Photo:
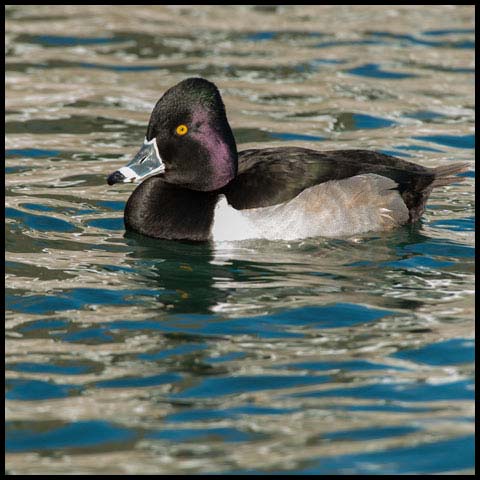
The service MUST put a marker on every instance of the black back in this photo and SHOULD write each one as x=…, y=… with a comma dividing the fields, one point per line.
x=274, y=175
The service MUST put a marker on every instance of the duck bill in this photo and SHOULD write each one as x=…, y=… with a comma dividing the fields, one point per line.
x=146, y=163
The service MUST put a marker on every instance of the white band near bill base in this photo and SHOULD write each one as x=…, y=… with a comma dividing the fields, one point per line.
x=128, y=173
x=153, y=140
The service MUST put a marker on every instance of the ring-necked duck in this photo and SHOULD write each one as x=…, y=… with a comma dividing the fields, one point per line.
x=195, y=186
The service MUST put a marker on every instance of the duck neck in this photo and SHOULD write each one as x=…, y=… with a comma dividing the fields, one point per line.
x=162, y=210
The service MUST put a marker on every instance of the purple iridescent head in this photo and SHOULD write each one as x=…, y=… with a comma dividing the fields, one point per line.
x=193, y=137
x=189, y=141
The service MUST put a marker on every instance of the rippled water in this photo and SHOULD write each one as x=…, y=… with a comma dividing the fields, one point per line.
x=130, y=355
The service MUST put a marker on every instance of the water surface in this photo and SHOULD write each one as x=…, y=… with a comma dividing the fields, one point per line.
x=130, y=355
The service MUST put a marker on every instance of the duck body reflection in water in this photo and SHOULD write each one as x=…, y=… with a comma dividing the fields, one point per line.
x=228, y=277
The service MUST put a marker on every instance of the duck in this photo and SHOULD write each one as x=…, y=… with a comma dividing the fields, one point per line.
x=193, y=184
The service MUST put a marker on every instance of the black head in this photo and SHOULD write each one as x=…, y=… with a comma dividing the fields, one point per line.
x=193, y=136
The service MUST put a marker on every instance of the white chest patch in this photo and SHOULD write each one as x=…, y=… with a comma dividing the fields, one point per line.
x=231, y=224
x=332, y=209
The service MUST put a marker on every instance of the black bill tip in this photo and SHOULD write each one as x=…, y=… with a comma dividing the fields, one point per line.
x=115, y=177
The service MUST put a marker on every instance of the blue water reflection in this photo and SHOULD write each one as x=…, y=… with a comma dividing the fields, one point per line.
x=128, y=355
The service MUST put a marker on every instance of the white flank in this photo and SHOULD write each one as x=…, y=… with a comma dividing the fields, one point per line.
x=332, y=209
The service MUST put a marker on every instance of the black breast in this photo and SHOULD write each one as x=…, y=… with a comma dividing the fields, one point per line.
x=161, y=210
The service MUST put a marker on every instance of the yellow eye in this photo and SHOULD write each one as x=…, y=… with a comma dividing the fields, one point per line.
x=182, y=129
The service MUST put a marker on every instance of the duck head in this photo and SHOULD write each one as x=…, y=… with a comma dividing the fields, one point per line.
x=188, y=142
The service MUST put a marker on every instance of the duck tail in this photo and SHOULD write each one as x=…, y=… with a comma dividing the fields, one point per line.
x=446, y=174
x=417, y=198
